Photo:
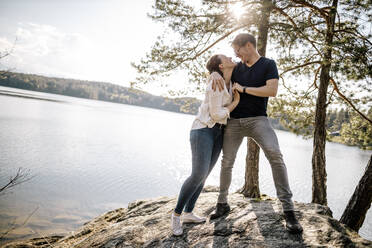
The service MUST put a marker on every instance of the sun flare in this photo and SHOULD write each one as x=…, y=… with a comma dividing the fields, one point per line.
x=237, y=9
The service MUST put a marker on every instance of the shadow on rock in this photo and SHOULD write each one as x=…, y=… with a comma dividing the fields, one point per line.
x=271, y=226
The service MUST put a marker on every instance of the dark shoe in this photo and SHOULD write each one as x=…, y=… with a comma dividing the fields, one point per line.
x=221, y=209
x=292, y=224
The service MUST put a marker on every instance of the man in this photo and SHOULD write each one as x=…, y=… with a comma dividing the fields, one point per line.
x=256, y=78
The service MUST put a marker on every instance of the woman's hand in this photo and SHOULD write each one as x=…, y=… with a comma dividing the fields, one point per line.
x=235, y=102
x=217, y=81
x=238, y=87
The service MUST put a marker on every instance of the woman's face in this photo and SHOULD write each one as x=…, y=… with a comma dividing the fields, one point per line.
x=226, y=62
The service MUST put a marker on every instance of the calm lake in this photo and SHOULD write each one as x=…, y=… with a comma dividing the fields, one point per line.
x=88, y=157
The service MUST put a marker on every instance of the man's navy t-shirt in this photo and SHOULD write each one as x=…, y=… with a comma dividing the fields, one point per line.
x=254, y=76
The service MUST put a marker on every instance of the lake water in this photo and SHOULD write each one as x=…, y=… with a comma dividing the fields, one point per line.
x=88, y=157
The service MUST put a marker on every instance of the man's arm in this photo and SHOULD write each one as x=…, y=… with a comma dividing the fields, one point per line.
x=270, y=89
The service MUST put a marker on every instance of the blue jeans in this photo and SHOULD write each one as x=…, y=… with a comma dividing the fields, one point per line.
x=206, y=145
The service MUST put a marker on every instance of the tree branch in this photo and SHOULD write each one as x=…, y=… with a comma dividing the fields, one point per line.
x=348, y=101
x=330, y=97
x=285, y=86
x=357, y=34
x=300, y=66
x=20, y=177
x=215, y=42
x=297, y=29
x=7, y=53
x=323, y=13
x=311, y=23
x=316, y=76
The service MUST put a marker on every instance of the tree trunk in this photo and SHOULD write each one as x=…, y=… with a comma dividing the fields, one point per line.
x=360, y=202
x=319, y=189
x=251, y=184
x=263, y=28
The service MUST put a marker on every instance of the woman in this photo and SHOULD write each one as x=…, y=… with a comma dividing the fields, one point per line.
x=206, y=138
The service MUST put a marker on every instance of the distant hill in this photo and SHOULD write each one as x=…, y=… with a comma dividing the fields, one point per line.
x=98, y=91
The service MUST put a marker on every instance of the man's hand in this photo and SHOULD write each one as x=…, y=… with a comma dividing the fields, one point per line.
x=217, y=81
x=238, y=87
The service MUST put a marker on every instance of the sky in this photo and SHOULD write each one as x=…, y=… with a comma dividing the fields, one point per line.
x=81, y=39
x=85, y=39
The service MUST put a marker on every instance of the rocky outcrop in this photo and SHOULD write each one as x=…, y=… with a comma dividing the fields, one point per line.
x=251, y=223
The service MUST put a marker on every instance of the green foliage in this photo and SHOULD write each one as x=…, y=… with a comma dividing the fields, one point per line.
x=296, y=115
x=357, y=131
x=343, y=125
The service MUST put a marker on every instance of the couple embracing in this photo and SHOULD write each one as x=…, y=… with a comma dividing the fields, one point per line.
x=229, y=113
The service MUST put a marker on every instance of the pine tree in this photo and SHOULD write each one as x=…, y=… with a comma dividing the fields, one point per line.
x=319, y=39
x=334, y=51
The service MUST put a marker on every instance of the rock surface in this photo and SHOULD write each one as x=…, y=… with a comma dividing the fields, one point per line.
x=251, y=223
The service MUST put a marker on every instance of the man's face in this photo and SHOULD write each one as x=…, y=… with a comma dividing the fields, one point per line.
x=243, y=52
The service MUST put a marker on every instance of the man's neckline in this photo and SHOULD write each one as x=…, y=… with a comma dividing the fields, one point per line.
x=253, y=63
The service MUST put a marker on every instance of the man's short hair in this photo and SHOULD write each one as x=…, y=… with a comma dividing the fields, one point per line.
x=242, y=39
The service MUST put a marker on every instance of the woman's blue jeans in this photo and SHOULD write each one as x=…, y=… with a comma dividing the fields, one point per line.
x=206, y=145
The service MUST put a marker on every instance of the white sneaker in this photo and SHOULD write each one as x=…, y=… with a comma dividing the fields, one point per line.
x=176, y=225
x=192, y=218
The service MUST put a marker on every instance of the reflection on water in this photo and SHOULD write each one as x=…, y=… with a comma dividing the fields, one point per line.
x=89, y=157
